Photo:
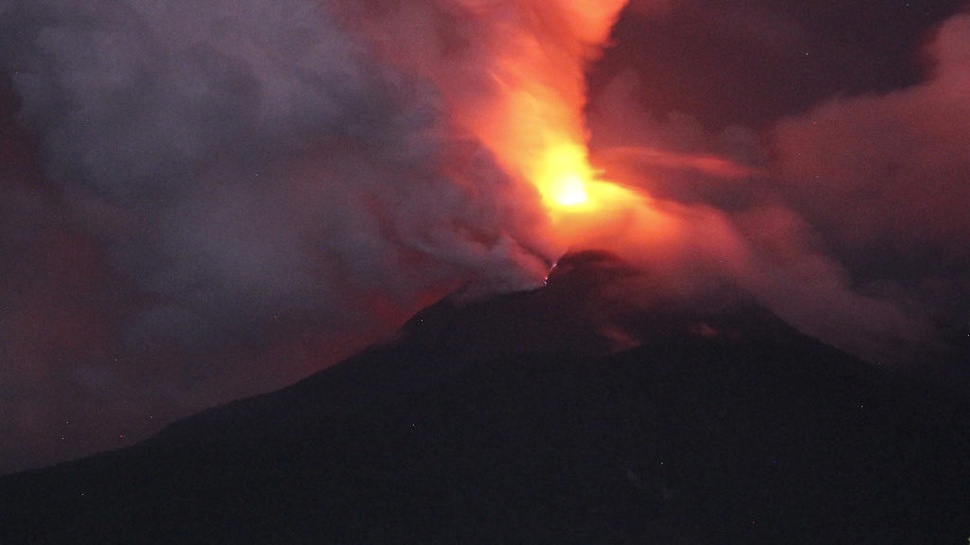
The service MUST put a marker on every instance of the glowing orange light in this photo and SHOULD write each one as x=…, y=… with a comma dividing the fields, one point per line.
x=571, y=191
x=562, y=176
x=522, y=95
x=570, y=186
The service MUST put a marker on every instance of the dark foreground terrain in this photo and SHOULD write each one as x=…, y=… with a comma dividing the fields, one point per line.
x=541, y=418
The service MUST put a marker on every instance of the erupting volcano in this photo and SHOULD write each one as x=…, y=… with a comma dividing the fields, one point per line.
x=513, y=75
x=459, y=271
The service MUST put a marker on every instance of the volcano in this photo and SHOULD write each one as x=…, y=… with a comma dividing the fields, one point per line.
x=566, y=414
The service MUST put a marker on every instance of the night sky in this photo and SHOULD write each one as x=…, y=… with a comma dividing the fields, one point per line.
x=205, y=202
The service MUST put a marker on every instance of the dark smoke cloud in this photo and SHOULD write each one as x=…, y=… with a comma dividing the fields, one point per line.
x=886, y=178
x=851, y=223
x=229, y=186
x=751, y=61
x=204, y=201
x=235, y=153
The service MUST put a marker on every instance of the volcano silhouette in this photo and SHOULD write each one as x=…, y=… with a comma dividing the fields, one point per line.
x=566, y=414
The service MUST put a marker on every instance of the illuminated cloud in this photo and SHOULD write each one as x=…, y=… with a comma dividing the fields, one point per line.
x=254, y=188
x=850, y=223
x=203, y=201
x=885, y=180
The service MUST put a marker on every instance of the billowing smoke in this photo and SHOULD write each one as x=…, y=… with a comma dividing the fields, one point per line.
x=848, y=221
x=253, y=160
x=886, y=180
x=226, y=174
x=205, y=200
x=511, y=73
x=716, y=222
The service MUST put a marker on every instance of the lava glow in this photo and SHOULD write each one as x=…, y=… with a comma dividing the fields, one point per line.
x=520, y=91
x=575, y=196
x=533, y=122
x=562, y=177
x=569, y=184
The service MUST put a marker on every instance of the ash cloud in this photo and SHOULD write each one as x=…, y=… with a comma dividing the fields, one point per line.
x=885, y=179
x=230, y=188
x=213, y=196
x=851, y=224
x=232, y=154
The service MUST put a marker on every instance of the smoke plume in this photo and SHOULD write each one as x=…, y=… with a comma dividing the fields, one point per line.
x=846, y=220
x=227, y=174
x=206, y=200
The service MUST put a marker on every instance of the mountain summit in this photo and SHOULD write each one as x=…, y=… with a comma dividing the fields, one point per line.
x=568, y=414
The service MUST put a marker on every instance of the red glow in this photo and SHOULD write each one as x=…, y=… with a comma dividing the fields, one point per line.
x=534, y=123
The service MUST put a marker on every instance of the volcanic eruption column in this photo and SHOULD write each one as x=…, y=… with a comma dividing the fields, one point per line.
x=248, y=164
x=512, y=74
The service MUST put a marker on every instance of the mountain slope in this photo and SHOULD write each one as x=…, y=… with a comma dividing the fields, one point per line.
x=554, y=416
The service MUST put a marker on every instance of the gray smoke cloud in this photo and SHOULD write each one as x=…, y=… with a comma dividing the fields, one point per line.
x=222, y=198
x=848, y=220
x=885, y=179
x=199, y=200
x=247, y=160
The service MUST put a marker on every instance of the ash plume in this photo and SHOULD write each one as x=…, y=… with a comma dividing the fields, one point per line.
x=849, y=224
x=201, y=201
x=242, y=173
x=247, y=160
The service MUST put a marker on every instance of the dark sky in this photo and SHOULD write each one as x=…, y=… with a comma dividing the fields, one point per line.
x=203, y=203
x=749, y=63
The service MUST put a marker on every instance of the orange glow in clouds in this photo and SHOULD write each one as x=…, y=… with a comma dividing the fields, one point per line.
x=569, y=184
x=512, y=74
x=533, y=121
x=562, y=177
x=582, y=207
